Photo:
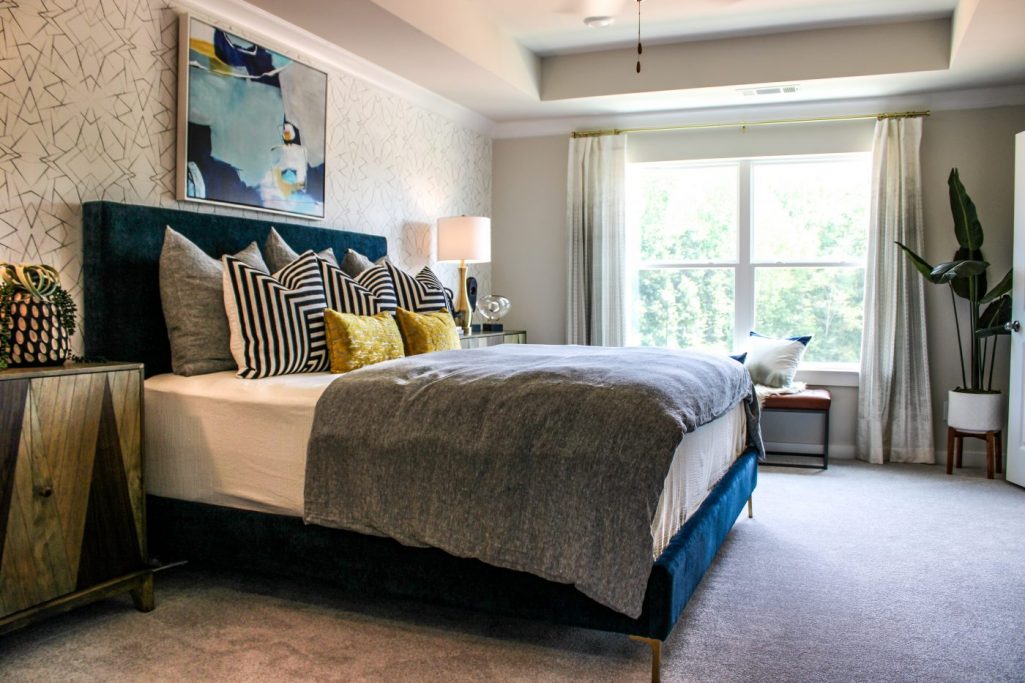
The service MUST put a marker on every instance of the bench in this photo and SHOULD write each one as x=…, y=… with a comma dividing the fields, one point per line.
x=807, y=401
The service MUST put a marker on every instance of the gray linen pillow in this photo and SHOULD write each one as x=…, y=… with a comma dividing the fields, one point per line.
x=192, y=296
x=279, y=254
x=355, y=263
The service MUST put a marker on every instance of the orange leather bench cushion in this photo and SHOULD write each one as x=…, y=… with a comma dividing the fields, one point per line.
x=809, y=399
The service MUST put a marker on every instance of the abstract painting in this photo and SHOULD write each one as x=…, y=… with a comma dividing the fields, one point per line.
x=251, y=122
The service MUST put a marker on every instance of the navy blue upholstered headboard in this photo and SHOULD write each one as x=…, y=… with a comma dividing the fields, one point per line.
x=123, y=317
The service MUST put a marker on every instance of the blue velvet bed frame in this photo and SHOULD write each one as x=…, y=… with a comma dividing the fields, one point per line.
x=123, y=321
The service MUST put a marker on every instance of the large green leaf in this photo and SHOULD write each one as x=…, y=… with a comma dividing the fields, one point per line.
x=1003, y=287
x=991, y=331
x=967, y=228
x=996, y=314
x=963, y=286
x=920, y=264
x=955, y=270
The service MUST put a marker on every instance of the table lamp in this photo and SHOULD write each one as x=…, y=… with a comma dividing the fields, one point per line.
x=466, y=239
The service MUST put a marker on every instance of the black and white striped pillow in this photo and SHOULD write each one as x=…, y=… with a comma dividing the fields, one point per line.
x=429, y=278
x=420, y=294
x=380, y=284
x=276, y=321
x=344, y=294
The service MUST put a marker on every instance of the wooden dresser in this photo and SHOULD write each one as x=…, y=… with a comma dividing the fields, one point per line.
x=479, y=339
x=72, y=503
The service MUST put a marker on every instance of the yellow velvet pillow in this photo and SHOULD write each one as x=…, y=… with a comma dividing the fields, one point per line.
x=354, y=341
x=426, y=332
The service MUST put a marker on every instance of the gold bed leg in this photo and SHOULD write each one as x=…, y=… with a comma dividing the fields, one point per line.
x=750, y=506
x=656, y=656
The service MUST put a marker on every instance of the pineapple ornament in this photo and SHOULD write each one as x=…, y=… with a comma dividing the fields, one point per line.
x=37, y=316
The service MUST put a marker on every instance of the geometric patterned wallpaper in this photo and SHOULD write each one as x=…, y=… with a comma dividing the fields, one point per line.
x=88, y=92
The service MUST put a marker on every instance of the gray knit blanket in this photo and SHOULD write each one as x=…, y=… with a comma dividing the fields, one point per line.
x=544, y=459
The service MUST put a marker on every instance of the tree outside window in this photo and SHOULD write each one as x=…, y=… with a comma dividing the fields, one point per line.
x=774, y=244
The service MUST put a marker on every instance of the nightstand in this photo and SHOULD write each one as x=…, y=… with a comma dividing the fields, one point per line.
x=482, y=339
x=72, y=503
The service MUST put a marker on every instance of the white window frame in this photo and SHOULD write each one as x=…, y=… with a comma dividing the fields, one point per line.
x=836, y=374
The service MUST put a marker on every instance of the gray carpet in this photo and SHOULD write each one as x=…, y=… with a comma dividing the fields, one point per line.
x=861, y=573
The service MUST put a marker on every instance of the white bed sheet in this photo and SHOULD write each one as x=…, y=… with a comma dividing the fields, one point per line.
x=222, y=440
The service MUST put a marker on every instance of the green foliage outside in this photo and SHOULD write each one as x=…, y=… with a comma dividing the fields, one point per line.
x=807, y=212
x=810, y=211
x=689, y=214
x=824, y=302
x=684, y=308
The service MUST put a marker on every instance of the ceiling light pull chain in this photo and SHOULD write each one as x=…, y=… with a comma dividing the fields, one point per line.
x=640, y=48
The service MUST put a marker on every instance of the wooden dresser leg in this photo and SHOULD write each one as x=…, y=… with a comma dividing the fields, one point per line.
x=143, y=595
x=950, y=450
x=656, y=656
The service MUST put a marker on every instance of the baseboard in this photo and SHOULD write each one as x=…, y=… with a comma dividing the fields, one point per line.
x=972, y=458
x=843, y=451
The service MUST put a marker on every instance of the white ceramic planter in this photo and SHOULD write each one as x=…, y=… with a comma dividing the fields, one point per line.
x=975, y=412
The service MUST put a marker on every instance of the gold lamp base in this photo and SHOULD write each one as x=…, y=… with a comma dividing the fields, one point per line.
x=463, y=302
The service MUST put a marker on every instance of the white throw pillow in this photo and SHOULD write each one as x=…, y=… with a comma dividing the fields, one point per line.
x=773, y=362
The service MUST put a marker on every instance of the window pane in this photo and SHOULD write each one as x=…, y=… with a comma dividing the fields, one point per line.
x=686, y=214
x=823, y=302
x=683, y=308
x=810, y=211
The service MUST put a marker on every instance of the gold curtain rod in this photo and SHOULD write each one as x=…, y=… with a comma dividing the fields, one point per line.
x=776, y=122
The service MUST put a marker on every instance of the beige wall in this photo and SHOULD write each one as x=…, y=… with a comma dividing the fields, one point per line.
x=528, y=204
x=980, y=143
x=759, y=141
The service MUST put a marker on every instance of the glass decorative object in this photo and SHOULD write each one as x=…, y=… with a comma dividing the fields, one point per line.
x=493, y=308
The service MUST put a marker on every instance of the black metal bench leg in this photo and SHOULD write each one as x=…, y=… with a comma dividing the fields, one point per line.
x=825, y=444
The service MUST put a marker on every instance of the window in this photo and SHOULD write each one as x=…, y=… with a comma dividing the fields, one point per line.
x=718, y=248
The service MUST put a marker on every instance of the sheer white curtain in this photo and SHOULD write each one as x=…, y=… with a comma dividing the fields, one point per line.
x=596, y=223
x=894, y=403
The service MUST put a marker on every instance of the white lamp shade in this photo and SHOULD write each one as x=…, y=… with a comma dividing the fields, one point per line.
x=464, y=238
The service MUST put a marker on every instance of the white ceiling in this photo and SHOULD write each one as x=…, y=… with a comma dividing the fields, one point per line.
x=513, y=61
x=550, y=27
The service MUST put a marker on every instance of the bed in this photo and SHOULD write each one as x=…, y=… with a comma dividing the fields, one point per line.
x=207, y=503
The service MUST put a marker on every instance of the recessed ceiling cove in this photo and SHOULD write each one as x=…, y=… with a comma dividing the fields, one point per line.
x=536, y=59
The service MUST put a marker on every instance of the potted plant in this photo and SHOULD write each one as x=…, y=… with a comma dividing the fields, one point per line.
x=974, y=406
x=37, y=316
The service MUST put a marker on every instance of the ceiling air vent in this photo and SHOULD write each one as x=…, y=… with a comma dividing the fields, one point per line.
x=774, y=90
